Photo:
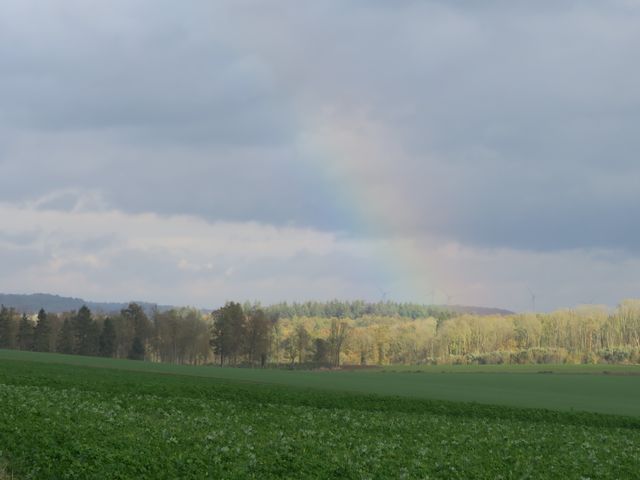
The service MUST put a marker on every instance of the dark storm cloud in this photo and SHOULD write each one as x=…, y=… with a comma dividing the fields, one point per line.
x=518, y=120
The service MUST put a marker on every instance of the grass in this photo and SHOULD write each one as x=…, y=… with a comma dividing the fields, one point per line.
x=570, y=387
x=579, y=369
x=85, y=418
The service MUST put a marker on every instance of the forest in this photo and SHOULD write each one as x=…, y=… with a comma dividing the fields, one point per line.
x=332, y=334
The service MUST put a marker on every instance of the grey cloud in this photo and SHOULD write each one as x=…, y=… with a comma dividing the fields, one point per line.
x=19, y=239
x=15, y=259
x=351, y=269
x=518, y=120
x=154, y=79
x=269, y=185
x=90, y=244
x=157, y=276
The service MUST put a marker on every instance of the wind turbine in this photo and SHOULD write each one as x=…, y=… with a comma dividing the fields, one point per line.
x=383, y=295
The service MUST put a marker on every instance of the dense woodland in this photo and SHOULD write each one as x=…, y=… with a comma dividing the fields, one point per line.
x=332, y=334
x=353, y=309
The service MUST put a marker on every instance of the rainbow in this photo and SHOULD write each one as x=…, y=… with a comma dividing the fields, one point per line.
x=342, y=153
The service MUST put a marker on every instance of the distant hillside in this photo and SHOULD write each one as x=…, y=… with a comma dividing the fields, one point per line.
x=56, y=304
x=32, y=303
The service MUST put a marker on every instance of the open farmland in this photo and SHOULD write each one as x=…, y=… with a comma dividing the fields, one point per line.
x=75, y=417
x=597, y=388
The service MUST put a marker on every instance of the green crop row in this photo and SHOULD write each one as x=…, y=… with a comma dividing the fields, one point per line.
x=69, y=422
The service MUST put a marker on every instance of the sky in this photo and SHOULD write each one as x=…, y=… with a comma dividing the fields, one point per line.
x=190, y=153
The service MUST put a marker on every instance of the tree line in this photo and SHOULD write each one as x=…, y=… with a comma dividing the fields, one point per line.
x=352, y=309
x=249, y=335
x=178, y=336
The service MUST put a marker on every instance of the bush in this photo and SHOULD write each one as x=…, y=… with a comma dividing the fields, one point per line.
x=548, y=355
x=489, y=358
x=619, y=355
x=589, y=357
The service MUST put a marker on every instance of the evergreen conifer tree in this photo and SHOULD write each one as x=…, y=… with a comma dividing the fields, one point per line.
x=25, y=333
x=108, y=338
x=86, y=332
x=137, y=349
x=42, y=334
x=7, y=334
x=66, y=338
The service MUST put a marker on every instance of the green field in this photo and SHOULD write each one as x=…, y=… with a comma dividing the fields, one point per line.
x=78, y=417
x=569, y=387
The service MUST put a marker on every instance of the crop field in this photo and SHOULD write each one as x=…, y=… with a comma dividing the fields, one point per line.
x=83, y=418
x=597, y=388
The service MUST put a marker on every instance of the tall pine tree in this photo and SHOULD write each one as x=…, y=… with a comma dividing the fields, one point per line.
x=108, y=338
x=7, y=328
x=25, y=333
x=42, y=334
x=66, y=338
x=86, y=332
x=137, y=349
x=142, y=328
x=4, y=326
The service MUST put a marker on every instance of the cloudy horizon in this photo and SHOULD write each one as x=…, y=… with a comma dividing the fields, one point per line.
x=188, y=154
